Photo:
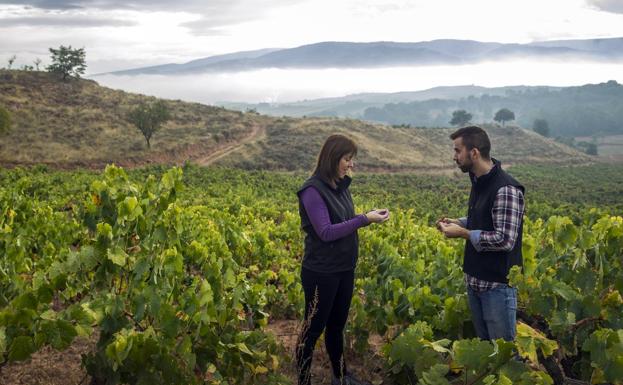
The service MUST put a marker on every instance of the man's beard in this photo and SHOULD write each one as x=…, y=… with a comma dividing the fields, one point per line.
x=467, y=166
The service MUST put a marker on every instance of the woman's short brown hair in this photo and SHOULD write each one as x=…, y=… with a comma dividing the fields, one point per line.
x=333, y=149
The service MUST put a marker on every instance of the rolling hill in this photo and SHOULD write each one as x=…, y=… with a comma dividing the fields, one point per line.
x=81, y=124
x=292, y=144
x=587, y=110
x=355, y=105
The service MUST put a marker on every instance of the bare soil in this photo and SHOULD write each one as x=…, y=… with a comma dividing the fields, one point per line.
x=52, y=367
x=368, y=366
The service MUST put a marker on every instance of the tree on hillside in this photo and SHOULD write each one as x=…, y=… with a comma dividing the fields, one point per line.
x=148, y=118
x=591, y=149
x=569, y=141
x=541, y=127
x=11, y=61
x=460, y=118
x=68, y=62
x=5, y=120
x=37, y=63
x=504, y=115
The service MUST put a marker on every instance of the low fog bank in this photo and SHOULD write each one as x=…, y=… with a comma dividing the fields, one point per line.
x=289, y=85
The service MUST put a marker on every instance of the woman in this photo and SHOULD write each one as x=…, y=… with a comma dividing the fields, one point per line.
x=331, y=250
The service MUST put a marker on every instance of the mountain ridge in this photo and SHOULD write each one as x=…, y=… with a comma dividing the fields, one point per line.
x=339, y=54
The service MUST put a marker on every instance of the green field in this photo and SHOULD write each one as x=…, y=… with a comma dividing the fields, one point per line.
x=179, y=276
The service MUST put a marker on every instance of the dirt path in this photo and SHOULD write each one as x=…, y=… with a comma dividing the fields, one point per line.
x=199, y=153
x=257, y=132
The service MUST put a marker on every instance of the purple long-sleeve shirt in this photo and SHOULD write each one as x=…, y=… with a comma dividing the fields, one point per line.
x=318, y=214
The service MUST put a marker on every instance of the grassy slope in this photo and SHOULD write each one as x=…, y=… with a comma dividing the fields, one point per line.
x=80, y=123
x=292, y=143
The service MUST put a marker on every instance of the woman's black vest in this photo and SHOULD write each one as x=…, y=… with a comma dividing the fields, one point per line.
x=490, y=266
x=341, y=254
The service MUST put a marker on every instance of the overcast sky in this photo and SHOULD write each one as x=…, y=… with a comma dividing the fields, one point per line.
x=125, y=34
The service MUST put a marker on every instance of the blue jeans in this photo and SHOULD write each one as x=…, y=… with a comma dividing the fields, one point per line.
x=494, y=312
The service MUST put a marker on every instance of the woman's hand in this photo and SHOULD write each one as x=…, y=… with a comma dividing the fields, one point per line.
x=377, y=215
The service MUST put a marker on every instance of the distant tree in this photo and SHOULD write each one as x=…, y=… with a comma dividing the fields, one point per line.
x=68, y=62
x=37, y=63
x=591, y=149
x=504, y=115
x=569, y=141
x=403, y=125
x=5, y=120
x=541, y=127
x=148, y=118
x=460, y=118
x=11, y=61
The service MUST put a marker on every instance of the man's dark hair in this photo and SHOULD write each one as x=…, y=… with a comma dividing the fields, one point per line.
x=334, y=148
x=474, y=137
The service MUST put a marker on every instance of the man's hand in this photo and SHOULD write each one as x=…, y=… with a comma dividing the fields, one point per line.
x=447, y=221
x=453, y=230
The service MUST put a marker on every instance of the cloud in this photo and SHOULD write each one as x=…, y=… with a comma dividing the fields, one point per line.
x=202, y=27
x=51, y=5
x=614, y=6
x=226, y=9
x=26, y=16
x=212, y=17
x=64, y=21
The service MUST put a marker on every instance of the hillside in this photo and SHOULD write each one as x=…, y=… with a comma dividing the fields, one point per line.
x=292, y=143
x=81, y=124
x=355, y=105
x=588, y=110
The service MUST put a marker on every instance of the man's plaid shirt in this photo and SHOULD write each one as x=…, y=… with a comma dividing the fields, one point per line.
x=507, y=213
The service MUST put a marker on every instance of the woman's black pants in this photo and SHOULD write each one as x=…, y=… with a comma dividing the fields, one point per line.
x=327, y=302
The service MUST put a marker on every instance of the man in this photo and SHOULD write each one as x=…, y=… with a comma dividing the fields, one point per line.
x=493, y=232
